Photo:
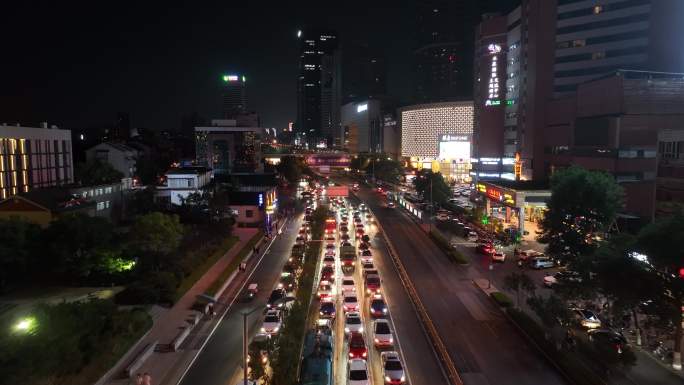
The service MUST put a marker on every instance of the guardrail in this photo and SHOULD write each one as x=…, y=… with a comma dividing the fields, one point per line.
x=445, y=361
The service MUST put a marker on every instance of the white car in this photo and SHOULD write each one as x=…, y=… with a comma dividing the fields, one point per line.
x=272, y=322
x=353, y=323
x=392, y=368
x=348, y=285
x=357, y=372
x=366, y=256
x=442, y=216
x=382, y=333
x=350, y=302
x=587, y=318
x=499, y=256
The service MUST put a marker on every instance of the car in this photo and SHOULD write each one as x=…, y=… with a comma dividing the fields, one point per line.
x=390, y=205
x=359, y=233
x=272, y=322
x=485, y=248
x=365, y=238
x=499, y=256
x=369, y=216
x=357, y=346
x=330, y=239
x=348, y=284
x=328, y=274
x=300, y=240
x=350, y=301
x=372, y=283
x=442, y=216
x=344, y=229
x=364, y=246
x=366, y=255
x=363, y=207
x=471, y=236
x=327, y=309
x=329, y=260
x=357, y=372
x=542, y=263
x=562, y=277
x=330, y=247
x=392, y=368
x=586, y=318
x=346, y=243
x=353, y=323
x=367, y=265
x=528, y=254
x=608, y=337
x=370, y=271
x=344, y=237
x=377, y=307
x=325, y=290
x=382, y=334
x=275, y=300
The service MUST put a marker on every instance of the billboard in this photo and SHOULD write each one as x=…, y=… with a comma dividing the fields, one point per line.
x=454, y=147
x=337, y=191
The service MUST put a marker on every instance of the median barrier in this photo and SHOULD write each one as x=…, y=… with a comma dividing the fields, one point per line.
x=140, y=359
x=180, y=337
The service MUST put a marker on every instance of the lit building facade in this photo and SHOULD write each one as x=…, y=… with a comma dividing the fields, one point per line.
x=319, y=87
x=226, y=148
x=362, y=126
x=234, y=92
x=438, y=136
x=34, y=158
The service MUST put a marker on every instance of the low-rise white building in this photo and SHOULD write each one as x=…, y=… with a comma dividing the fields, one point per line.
x=181, y=182
x=120, y=156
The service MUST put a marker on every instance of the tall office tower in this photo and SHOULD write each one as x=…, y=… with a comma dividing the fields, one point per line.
x=234, y=93
x=364, y=73
x=597, y=38
x=319, y=87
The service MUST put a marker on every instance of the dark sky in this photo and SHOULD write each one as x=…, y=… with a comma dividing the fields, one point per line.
x=75, y=64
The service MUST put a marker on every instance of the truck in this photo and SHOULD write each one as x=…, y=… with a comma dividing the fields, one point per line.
x=317, y=360
x=348, y=257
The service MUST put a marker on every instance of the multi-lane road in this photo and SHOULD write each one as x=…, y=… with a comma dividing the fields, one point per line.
x=484, y=347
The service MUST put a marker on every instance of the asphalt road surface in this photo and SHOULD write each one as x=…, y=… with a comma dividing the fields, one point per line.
x=221, y=357
x=485, y=348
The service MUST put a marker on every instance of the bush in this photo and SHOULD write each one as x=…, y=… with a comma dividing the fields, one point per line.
x=452, y=253
x=138, y=293
x=501, y=299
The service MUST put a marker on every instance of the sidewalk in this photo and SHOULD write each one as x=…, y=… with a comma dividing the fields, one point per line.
x=169, y=322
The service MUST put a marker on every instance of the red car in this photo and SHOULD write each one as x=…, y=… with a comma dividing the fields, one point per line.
x=485, y=248
x=328, y=274
x=372, y=284
x=357, y=346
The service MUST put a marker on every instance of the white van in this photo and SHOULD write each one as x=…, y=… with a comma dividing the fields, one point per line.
x=541, y=263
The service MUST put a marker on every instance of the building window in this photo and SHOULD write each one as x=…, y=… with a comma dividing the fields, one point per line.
x=579, y=43
x=598, y=55
x=100, y=206
x=598, y=9
x=249, y=213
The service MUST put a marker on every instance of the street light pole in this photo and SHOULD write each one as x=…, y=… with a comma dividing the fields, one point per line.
x=431, y=207
x=244, y=343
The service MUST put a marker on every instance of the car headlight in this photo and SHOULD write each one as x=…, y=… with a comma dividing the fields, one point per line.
x=364, y=354
x=388, y=379
x=346, y=330
x=351, y=355
x=376, y=340
x=391, y=340
x=263, y=330
x=361, y=329
x=321, y=313
x=403, y=378
x=276, y=329
x=384, y=310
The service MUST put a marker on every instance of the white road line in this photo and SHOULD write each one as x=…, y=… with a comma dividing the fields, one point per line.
x=192, y=362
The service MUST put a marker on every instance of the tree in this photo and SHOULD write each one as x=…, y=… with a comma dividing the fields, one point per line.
x=388, y=170
x=77, y=245
x=615, y=265
x=661, y=243
x=439, y=190
x=552, y=310
x=154, y=237
x=582, y=205
x=142, y=201
x=96, y=172
x=519, y=283
x=290, y=168
x=18, y=239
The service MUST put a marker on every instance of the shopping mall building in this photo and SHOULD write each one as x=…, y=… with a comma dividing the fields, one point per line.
x=438, y=136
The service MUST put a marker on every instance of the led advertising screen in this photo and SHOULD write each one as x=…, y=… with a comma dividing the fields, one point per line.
x=454, y=147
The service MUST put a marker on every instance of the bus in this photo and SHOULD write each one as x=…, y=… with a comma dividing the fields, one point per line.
x=317, y=361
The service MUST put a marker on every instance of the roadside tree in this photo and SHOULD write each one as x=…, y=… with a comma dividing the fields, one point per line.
x=520, y=283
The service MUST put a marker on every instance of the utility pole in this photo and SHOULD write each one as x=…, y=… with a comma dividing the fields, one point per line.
x=244, y=343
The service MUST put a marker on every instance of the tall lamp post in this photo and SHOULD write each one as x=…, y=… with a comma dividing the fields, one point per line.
x=245, y=342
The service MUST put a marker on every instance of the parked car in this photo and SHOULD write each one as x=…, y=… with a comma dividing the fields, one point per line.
x=542, y=263
x=562, y=277
x=485, y=248
x=587, y=318
x=608, y=337
x=499, y=256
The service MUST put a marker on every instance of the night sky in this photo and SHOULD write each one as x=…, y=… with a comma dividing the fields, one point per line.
x=76, y=64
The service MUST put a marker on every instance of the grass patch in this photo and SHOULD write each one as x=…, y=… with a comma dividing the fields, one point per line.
x=71, y=343
x=232, y=266
x=198, y=272
x=453, y=254
x=501, y=299
x=572, y=366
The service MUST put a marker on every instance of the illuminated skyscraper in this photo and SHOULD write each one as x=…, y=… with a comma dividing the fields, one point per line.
x=319, y=89
x=234, y=94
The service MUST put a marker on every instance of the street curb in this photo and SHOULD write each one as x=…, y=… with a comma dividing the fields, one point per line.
x=130, y=353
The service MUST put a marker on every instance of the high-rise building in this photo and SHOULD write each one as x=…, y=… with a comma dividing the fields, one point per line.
x=225, y=147
x=596, y=38
x=33, y=158
x=319, y=87
x=234, y=93
x=364, y=73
